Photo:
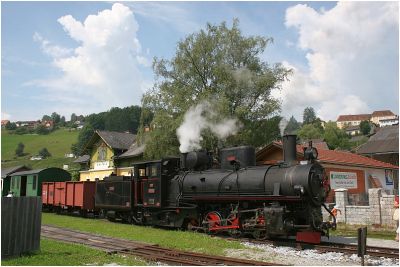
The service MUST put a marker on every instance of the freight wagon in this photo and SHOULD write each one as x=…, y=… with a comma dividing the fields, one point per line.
x=28, y=183
x=70, y=196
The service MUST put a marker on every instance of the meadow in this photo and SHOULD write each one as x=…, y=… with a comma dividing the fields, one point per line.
x=58, y=143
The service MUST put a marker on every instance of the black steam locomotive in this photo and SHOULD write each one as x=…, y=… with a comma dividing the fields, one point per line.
x=237, y=196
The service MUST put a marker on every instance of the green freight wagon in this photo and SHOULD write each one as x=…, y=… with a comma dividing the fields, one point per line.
x=29, y=183
x=6, y=177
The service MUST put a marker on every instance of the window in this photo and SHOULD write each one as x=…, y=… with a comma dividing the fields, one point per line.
x=102, y=153
x=154, y=170
x=34, y=182
x=142, y=172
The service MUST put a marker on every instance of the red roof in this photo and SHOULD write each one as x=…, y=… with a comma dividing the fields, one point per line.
x=382, y=113
x=348, y=158
x=358, y=117
x=339, y=157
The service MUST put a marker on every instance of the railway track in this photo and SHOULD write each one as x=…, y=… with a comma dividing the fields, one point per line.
x=328, y=247
x=149, y=252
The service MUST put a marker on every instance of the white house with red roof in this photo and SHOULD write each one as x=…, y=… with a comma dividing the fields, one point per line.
x=344, y=169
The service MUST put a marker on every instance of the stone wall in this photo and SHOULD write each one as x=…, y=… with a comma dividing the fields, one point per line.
x=378, y=213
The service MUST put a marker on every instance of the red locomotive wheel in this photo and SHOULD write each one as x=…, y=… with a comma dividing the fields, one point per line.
x=212, y=221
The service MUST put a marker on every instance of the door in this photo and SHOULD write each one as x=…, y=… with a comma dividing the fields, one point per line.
x=23, y=186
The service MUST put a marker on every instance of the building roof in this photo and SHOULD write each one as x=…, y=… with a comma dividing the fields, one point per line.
x=358, y=117
x=385, y=141
x=335, y=157
x=7, y=171
x=27, y=172
x=115, y=140
x=133, y=151
x=382, y=113
x=82, y=159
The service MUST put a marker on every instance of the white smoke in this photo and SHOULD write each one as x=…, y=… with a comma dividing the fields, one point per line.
x=282, y=126
x=199, y=118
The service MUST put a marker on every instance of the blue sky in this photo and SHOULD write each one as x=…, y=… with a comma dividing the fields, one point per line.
x=86, y=57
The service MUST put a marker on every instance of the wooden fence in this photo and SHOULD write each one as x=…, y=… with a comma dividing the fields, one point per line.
x=21, y=219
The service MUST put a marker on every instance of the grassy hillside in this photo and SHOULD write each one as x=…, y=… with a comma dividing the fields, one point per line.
x=58, y=143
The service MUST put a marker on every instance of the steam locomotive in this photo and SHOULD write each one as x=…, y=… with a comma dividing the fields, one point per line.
x=236, y=196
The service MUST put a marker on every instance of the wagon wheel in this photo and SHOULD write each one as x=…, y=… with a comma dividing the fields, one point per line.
x=233, y=220
x=260, y=234
x=212, y=220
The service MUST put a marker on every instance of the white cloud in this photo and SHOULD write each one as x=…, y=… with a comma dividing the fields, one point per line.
x=50, y=49
x=103, y=71
x=167, y=13
x=352, y=55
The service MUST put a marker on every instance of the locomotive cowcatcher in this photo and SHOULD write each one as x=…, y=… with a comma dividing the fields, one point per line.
x=236, y=196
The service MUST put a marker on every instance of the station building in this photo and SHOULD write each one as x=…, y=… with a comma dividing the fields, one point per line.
x=109, y=152
x=356, y=173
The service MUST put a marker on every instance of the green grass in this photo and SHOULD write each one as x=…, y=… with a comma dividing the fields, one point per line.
x=58, y=143
x=62, y=254
x=174, y=239
x=372, y=232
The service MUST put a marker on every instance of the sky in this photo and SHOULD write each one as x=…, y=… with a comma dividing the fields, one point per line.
x=86, y=57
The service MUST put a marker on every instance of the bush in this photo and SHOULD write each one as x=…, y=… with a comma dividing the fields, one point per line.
x=19, y=151
x=44, y=153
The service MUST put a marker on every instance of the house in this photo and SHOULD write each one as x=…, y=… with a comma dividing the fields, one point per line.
x=48, y=124
x=109, y=152
x=353, y=130
x=344, y=121
x=4, y=122
x=6, y=177
x=344, y=170
x=379, y=115
x=389, y=122
x=28, y=124
x=383, y=146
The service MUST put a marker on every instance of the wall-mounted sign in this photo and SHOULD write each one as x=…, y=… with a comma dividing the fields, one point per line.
x=101, y=165
x=343, y=180
x=389, y=177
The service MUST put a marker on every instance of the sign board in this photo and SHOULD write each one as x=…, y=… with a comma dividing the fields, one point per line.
x=101, y=165
x=343, y=180
x=389, y=177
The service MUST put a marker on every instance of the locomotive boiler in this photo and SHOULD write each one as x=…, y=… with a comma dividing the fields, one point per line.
x=232, y=195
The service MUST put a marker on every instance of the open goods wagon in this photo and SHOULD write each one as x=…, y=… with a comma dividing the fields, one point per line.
x=70, y=196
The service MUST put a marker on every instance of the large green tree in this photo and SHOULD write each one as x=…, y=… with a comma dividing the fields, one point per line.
x=221, y=65
x=335, y=137
x=310, y=131
x=309, y=115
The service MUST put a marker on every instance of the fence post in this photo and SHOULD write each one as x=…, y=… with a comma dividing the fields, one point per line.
x=342, y=201
x=375, y=205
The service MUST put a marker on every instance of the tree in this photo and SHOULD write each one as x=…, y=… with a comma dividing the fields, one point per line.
x=62, y=121
x=365, y=127
x=73, y=117
x=41, y=129
x=216, y=64
x=309, y=115
x=84, y=135
x=292, y=126
x=11, y=126
x=19, y=151
x=55, y=117
x=335, y=137
x=309, y=131
x=44, y=153
x=46, y=118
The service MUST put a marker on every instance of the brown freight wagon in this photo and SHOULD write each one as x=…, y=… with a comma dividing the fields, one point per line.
x=70, y=196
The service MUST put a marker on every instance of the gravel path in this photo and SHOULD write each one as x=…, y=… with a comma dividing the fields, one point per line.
x=291, y=256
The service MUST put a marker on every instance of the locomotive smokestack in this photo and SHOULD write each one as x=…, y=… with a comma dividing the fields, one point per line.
x=289, y=148
x=183, y=160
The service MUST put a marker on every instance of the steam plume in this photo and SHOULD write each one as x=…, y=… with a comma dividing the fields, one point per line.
x=282, y=126
x=199, y=118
